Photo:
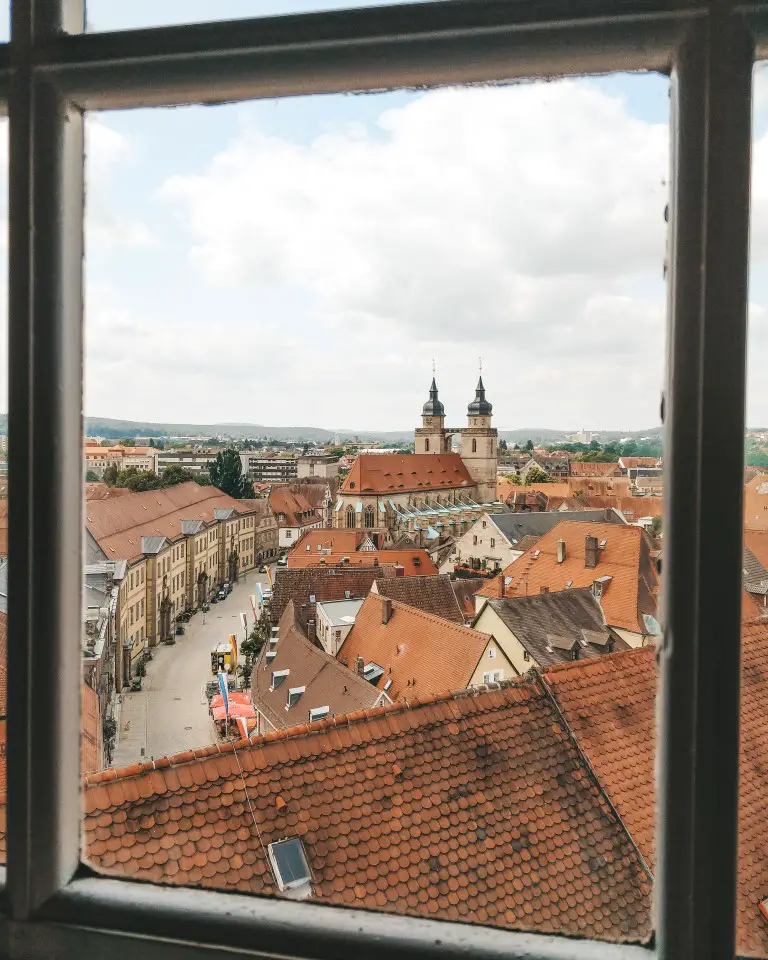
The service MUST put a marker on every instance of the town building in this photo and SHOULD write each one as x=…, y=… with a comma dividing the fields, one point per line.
x=294, y=515
x=557, y=468
x=497, y=539
x=179, y=544
x=611, y=559
x=589, y=468
x=307, y=586
x=549, y=628
x=756, y=503
x=334, y=620
x=293, y=681
x=413, y=562
x=193, y=460
x=432, y=492
x=408, y=653
x=270, y=469
x=316, y=465
x=435, y=595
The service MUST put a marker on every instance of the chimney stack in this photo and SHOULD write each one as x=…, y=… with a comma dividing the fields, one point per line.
x=360, y=666
x=591, y=552
x=560, y=550
x=544, y=590
x=311, y=631
x=386, y=610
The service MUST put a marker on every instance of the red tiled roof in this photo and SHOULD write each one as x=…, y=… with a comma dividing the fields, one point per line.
x=433, y=595
x=415, y=562
x=323, y=583
x=118, y=524
x=388, y=473
x=421, y=654
x=580, y=468
x=465, y=589
x=474, y=807
x=609, y=704
x=629, y=463
x=297, y=510
x=631, y=592
x=319, y=541
x=632, y=508
x=91, y=756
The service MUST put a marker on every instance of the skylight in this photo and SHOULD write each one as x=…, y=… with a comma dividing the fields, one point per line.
x=372, y=672
x=289, y=864
x=318, y=713
x=294, y=695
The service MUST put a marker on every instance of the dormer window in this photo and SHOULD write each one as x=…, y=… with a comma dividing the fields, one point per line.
x=278, y=676
x=294, y=695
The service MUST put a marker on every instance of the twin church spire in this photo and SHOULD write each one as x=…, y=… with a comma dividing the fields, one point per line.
x=479, y=407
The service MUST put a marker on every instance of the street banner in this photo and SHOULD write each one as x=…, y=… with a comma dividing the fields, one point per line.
x=224, y=692
x=254, y=606
x=260, y=592
x=269, y=578
x=233, y=641
x=244, y=621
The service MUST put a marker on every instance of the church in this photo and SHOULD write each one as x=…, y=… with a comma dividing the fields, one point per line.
x=432, y=493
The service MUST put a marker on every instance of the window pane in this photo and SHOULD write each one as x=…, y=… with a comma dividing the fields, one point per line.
x=752, y=925
x=292, y=308
x=106, y=15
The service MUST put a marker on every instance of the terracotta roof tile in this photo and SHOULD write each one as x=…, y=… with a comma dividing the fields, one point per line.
x=421, y=654
x=580, y=468
x=414, y=561
x=388, y=473
x=118, y=524
x=295, y=508
x=432, y=594
x=609, y=704
x=478, y=837
x=322, y=583
x=631, y=592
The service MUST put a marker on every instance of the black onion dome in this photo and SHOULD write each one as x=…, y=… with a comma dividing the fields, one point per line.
x=433, y=407
x=480, y=406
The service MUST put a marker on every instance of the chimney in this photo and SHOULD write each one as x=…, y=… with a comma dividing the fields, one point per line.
x=399, y=570
x=560, y=550
x=386, y=610
x=590, y=552
x=544, y=590
x=311, y=631
x=359, y=666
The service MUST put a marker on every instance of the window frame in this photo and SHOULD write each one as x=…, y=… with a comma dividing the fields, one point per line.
x=51, y=72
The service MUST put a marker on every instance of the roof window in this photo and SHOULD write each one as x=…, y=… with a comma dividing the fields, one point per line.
x=388, y=684
x=289, y=864
x=372, y=672
x=294, y=695
x=318, y=713
x=278, y=676
x=271, y=654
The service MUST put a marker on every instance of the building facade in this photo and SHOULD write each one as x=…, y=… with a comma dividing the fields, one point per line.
x=275, y=469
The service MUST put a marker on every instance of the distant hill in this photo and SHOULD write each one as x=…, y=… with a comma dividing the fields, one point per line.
x=107, y=427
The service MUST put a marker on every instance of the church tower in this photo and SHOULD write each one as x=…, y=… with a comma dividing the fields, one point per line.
x=430, y=437
x=480, y=445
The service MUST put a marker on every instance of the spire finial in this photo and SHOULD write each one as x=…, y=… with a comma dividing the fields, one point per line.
x=433, y=366
x=480, y=362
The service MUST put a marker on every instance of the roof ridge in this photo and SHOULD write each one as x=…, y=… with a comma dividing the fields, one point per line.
x=519, y=689
x=431, y=616
x=594, y=663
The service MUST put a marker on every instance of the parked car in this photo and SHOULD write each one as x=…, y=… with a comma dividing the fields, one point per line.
x=215, y=598
x=222, y=594
x=282, y=562
x=180, y=631
x=262, y=569
x=227, y=588
x=186, y=616
x=170, y=641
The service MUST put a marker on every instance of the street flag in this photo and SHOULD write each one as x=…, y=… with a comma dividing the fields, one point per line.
x=269, y=578
x=233, y=641
x=261, y=594
x=252, y=598
x=244, y=621
x=224, y=692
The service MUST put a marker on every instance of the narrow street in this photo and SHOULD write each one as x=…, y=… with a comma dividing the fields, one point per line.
x=170, y=713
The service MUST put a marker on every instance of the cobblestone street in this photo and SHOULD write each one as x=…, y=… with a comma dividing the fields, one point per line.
x=170, y=713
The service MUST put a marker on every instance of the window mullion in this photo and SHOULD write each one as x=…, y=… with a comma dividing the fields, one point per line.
x=45, y=471
x=700, y=654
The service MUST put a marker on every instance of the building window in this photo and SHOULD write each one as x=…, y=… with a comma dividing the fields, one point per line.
x=493, y=541
x=350, y=517
x=474, y=445
x=491, y=652
x=368, y=521
x=426, y=445
x=474, y=540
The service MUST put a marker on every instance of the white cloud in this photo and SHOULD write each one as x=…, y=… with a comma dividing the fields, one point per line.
x=524, y=223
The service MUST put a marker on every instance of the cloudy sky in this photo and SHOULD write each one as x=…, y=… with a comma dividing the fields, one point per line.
x=300, y=262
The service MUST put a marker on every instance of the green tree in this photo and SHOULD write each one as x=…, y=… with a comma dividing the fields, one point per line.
x=227, y=474
x=175, y=474
x=655, y=527
x=128, y=442
x=252, y=647
x=537, y=475
x=92, y=477
x=110, y=475
x=528, y=445
x=138, y=481
x=203, y=478
x=502, y=445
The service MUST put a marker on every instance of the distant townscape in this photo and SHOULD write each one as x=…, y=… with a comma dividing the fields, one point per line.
x=413, y=674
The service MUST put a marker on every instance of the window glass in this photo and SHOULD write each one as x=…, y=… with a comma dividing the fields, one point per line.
x=285, y=301
x=106, y=15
